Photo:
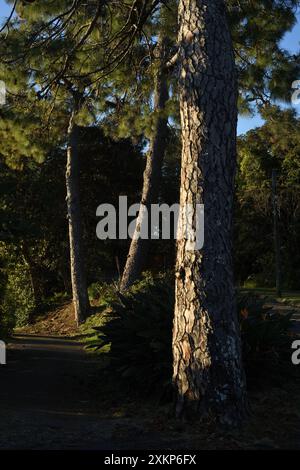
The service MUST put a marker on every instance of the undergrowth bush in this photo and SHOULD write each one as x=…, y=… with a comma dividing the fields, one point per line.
x=102, y=293
x=6, y=321
x=265, y=333
x=17, y=299
x=139, y=332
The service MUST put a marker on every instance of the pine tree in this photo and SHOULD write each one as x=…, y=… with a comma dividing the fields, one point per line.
x=78, y=272
x=60, y=47
x=260, y=63
x=139, y=246
x=208, y=373
x=273, y=146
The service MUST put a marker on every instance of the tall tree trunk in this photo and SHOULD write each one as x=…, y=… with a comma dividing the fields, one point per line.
x=139, y=247
x=34, y=275
x=276, y=234
x=208, y=373
x=78, y=276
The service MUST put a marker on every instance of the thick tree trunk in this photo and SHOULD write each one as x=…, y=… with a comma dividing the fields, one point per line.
x=139, y=247
x=208, y=373
x=78, y=277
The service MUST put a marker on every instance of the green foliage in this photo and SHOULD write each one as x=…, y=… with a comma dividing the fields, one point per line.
x=265, y=70
x=275, y=145
x=6, y=321
x=18, y=302
x=265, y=333
x=102, y=293
x=139, y=331
x=22, y=132
x=33, y=215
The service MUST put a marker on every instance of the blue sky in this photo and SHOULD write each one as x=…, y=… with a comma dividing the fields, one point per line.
x=291, y=42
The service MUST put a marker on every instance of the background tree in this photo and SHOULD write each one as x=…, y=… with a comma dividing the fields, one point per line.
x=33, y=217
x=152, y=175
x=275, y=145
x=64, y=46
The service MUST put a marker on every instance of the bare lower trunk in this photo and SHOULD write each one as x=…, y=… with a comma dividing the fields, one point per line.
x=208, y=373
x=139, y=247
x=78, y=279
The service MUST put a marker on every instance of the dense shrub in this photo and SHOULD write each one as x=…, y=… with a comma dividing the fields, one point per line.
x=265, y=333
x=6, y=321
x=139, y=332
x=102, y=293
x=17, y=298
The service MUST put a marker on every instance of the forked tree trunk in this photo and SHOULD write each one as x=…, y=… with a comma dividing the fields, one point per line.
x=208, y=372
x=78, y=277
x=139, y=247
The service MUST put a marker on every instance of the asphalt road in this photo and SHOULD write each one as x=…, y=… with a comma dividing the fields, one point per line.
x=46, y=401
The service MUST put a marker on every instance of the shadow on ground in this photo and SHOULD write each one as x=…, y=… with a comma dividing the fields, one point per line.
x=47, y=401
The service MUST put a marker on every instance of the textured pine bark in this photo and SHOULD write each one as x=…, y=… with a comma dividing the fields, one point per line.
x=78, y=277
x=208, y=372
x=139, y=247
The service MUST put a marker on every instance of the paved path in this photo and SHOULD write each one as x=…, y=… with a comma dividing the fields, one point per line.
x=296, y=321
x=46, y=403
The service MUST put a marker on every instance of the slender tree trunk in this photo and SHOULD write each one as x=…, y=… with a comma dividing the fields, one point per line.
x=78, y=276
x=139, y=247
x=64, y=273
x=276, y=234
x=34, y=279
x=208, y=373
